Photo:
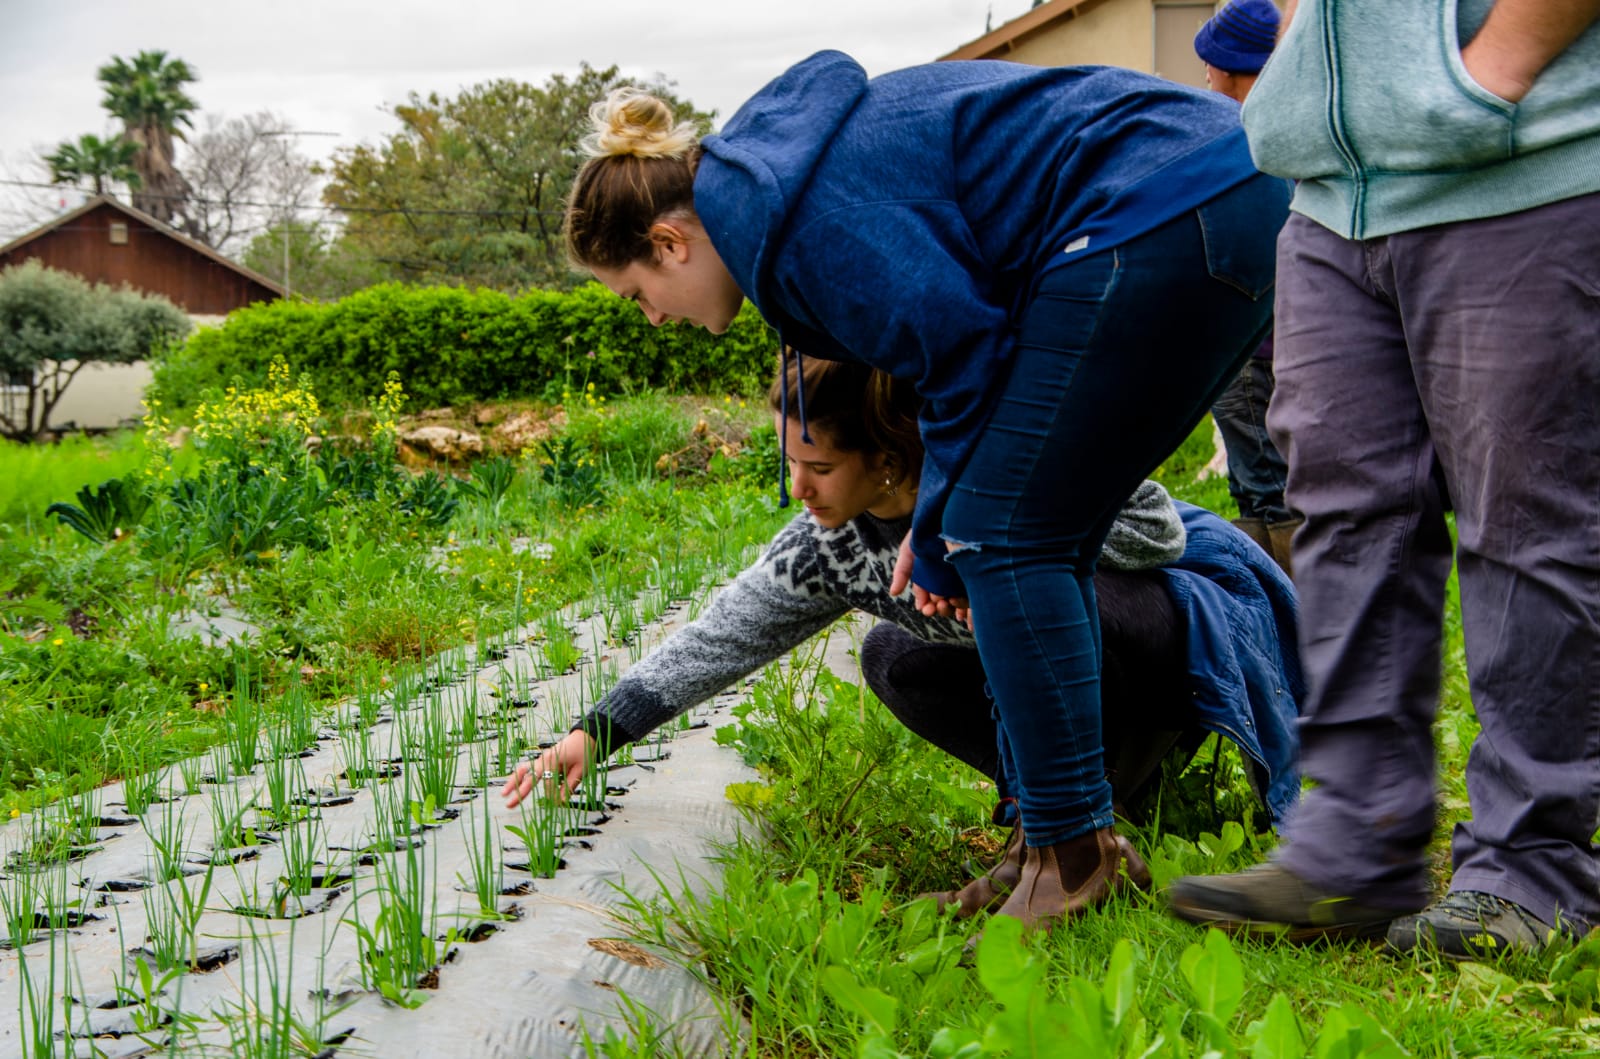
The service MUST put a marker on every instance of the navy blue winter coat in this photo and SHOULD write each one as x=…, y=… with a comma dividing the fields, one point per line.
x=1242, y=650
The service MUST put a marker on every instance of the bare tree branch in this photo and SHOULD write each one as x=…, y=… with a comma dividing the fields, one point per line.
x=247, y=178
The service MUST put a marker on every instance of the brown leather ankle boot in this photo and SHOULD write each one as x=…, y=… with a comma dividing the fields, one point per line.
x=1282, y=534
x=1256, y=530
x=1069, y=878
x=988, y=890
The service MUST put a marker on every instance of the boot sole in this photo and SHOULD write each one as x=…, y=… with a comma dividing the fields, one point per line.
x=1298, y=933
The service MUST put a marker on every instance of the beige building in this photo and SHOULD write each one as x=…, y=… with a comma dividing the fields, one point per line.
x=1155, y=36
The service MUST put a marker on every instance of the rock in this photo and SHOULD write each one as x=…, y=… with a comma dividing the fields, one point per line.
x=445, y=443
x=525, y=430
x=486, y=416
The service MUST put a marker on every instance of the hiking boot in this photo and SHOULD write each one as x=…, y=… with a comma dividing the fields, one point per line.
x=1269, y=899
x=1468, y=925
x=989, y=890
x=1068, y=878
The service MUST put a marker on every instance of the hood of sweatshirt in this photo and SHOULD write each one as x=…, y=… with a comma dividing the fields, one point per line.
x=769, y=152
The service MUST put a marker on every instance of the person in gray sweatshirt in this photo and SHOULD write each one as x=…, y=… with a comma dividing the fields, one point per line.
x=856, y=477
x=1438, y=342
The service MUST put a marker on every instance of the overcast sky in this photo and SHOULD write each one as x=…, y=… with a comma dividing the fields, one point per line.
x=333, y=66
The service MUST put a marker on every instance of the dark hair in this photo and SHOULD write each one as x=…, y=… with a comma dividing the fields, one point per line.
x=641, y=168
x=859, y=408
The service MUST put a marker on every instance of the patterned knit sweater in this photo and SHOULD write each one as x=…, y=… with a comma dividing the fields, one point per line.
x=808, y=578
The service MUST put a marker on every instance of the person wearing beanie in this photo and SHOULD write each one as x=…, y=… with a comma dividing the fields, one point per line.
x=1235, y=44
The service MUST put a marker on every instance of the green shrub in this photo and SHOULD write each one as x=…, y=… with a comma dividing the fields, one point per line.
x=52, y=323
x=453, y=346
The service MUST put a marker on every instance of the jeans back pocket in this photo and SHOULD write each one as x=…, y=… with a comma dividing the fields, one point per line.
x=1240, y=231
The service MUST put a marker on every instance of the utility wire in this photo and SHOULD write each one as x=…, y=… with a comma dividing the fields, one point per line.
x=373, y=210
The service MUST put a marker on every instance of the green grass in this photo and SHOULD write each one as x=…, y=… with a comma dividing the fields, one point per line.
x=816, y=940
x=38, y=475
x=815, y=928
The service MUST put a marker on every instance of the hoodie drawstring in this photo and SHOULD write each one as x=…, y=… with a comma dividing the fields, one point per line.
x=783, y=412
x=783, y=435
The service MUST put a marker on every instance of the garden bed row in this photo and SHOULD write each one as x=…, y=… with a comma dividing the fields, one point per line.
x=296, y=890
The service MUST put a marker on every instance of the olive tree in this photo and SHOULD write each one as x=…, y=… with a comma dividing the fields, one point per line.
x=53, y=324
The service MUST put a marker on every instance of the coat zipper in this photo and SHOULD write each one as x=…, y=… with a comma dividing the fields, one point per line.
x=1336, y=130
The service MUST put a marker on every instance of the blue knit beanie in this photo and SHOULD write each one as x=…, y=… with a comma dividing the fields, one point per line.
x=1239, y=38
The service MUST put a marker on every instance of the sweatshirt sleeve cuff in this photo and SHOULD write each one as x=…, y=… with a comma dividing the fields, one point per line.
x=939, y=578
x=607, y=733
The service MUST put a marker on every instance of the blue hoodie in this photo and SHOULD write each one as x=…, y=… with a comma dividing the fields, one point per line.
x=906, y=221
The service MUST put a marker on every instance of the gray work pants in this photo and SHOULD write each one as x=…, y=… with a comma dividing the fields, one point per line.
x=1477, y=346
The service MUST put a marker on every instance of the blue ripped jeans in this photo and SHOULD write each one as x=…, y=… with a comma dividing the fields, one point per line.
x=1119, y=355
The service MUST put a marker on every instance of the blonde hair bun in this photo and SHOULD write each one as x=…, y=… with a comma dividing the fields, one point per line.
x=630, y=121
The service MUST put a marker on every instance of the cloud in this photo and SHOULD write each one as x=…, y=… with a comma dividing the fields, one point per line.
x=335, y=66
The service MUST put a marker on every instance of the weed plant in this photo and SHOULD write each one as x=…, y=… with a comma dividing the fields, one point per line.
x=355, y=743
x=543, y=829
x=285, y=785
x=243, y=717
x=53, y=472
x=349, y=588
x=486, y=873
x=45, y=1032
x=140, y=993
x=265, y=1022
x=172, y=912
x=558, y=647
x=229, y=829
x=304, y=845
x=169, y=843
x=399, y=950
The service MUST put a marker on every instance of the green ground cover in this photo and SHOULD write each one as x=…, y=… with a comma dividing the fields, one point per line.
x=814, y=939
x=341, y=568
x=352, y=574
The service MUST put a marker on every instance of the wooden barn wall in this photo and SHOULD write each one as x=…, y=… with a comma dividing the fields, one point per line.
x=149, y=261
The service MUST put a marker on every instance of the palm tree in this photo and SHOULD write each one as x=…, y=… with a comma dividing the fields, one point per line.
x=147, y=94
x=104, y=162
